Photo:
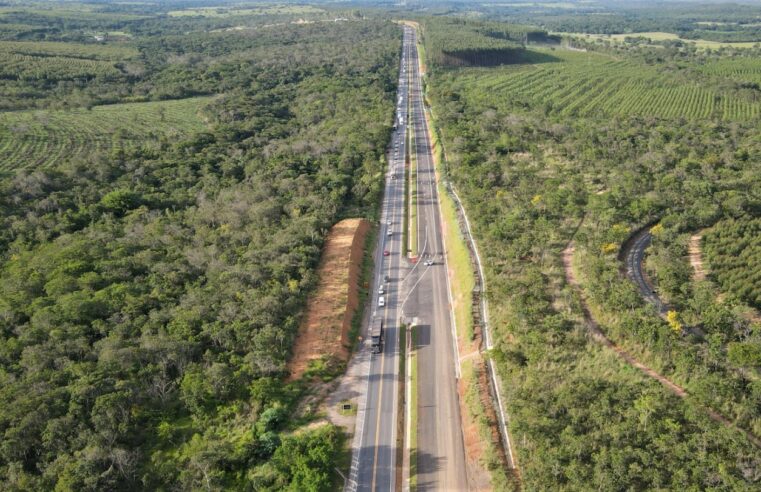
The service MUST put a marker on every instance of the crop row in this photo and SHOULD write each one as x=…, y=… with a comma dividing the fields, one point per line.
x=598, y=86
x=108, y=52
x=45, y=138
x=744, y=70
x=27, y=67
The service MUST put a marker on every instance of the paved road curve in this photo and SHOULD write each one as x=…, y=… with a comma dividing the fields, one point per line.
x=633, y=261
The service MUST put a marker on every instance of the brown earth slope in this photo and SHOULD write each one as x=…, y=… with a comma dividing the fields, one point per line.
x=325, y=328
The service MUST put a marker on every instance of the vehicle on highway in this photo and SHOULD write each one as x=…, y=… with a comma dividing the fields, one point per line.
x=381, y=301
x=381, y=289
x=386, y=253
x=388, y=222
x=428, y=262
x=389, y=233
x=376, y=335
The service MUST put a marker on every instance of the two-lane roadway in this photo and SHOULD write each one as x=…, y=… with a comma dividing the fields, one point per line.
x=374, y=461
x=440, y=449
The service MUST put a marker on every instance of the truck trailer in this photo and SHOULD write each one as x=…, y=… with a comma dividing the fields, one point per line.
x=376, y=335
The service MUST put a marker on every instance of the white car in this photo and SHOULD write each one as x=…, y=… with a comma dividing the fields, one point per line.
x=381, y=301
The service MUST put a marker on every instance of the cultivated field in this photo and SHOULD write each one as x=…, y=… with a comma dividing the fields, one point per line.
x=745, y=70
x=43, y=138
x=61, y=61
x=91, y=51
x=662, y=36
x=593, y=84
x=230, y=12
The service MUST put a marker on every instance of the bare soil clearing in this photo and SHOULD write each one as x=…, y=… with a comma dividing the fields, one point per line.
x=324, y=331
x=696, y=259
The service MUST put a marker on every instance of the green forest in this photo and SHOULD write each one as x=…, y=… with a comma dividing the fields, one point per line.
x=157, y=247
x=733, y=249
x=169, y=172
x=559, y=149
x=723, y=22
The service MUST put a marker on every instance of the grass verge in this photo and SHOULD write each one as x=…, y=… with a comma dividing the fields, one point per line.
x=365, y=276
x=462, y=283
x=413, y=410
x=413, y=200
x=405, y=219
x=412, y=187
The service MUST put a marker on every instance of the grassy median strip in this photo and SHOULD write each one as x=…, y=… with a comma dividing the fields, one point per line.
x=413, y=409
x=413, y=191
x=406, y=215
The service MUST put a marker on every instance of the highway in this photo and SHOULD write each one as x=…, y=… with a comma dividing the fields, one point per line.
x=413, y=290
x=374, y=461
x=440, y=450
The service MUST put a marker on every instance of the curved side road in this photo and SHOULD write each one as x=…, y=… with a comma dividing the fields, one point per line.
x=634, y=255
x=600, y=337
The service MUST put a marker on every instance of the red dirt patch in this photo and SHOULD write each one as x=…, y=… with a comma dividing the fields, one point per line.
x=324, y=330
x=696, y=258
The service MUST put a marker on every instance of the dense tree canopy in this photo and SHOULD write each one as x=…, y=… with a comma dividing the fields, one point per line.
x=150, y=294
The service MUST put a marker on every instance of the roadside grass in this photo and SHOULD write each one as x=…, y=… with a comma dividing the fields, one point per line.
x=413, y=197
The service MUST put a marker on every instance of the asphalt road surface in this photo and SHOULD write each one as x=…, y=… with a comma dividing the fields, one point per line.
x=413, y=290
x=440, y=450
x=633, y=260
x=374, y=463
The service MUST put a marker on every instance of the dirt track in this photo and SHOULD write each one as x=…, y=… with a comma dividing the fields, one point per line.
x=696, y=258
x=324, y=331
x=598, y=335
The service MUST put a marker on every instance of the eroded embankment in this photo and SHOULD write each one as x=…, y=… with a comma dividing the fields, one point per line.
x=324, y=331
